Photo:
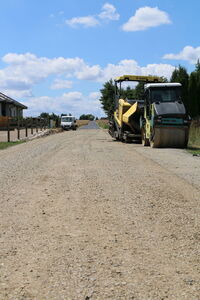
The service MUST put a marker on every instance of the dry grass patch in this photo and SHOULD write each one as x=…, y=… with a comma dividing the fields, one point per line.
x=82, y=122
x=103, y=123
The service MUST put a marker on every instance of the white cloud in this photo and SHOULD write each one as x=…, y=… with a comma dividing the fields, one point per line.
x=94, y=95
x=158, y=70
x=17, y=94
x=61, y=84
x=24, y=71
x=132, y=67
x=109, y=12
x=89, y=73
x=188, y=53
x=74, y=102
x=146, y=17
x=89, y=21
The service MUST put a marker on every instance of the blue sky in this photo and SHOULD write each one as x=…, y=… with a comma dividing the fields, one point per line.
x=56, y=55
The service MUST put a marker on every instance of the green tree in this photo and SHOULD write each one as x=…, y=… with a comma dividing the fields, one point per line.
x=44, y=115
x=139, y=91
x=193, y=107
x=54, y=117
x=129, y=93
x=198, y=86
x=180, y=75
x=107, y=98
x=91, y=117
x=87, y=117
x=82, y=117
x=194, y=91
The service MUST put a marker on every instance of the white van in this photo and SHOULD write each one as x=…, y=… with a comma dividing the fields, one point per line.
x=68, y=122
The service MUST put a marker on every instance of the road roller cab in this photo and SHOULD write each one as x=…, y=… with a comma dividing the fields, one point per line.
x=165, y=122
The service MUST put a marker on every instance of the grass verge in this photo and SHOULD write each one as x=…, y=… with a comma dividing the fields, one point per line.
x=194, y=138
x=103, y=123
x=4, y=145
x=194, y=150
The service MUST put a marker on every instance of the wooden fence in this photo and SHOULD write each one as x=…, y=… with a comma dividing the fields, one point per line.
x=9, y=124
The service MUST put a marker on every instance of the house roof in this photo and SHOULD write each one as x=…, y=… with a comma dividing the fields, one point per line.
x=4, y=98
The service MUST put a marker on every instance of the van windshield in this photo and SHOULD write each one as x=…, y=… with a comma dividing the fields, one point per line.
x=165, y=95
x=67, y=119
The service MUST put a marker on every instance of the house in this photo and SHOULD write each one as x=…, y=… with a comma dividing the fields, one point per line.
x=10, y=107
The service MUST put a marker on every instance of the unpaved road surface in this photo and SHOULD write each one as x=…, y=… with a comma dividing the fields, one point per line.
x=90, y=125
x=84, y=217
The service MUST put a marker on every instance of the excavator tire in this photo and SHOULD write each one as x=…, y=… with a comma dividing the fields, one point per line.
x=169, y=138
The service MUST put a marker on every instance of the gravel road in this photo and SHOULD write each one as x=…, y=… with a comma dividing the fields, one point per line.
x=84, y=217
x=90, y=125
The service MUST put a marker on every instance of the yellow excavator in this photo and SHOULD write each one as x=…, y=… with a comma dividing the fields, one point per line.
x=158, y=120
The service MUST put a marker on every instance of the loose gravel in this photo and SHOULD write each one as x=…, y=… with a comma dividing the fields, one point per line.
x=84, y=217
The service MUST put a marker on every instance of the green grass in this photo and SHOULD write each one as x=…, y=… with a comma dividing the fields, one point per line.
x=4, y=145
x=193, y=150
x=103, y=124
x=194, y=139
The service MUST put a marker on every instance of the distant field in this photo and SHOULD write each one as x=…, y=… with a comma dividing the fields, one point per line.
x=102, y=123
x=82, y=122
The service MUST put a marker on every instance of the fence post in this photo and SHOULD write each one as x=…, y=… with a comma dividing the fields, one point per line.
x=8, y=129
x=18, y=128
x=26, y=127
x=31, y=125
x=36, y=125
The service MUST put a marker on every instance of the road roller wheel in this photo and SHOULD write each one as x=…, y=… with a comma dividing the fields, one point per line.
x=155, y=141
x=169, y=138
x=152, y=144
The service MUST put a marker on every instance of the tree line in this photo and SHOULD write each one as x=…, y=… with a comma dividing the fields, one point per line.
x=52, y=116
x=190, y=91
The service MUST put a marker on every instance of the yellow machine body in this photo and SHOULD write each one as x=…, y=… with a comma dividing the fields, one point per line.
x=139, y=78
x=125, y=113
